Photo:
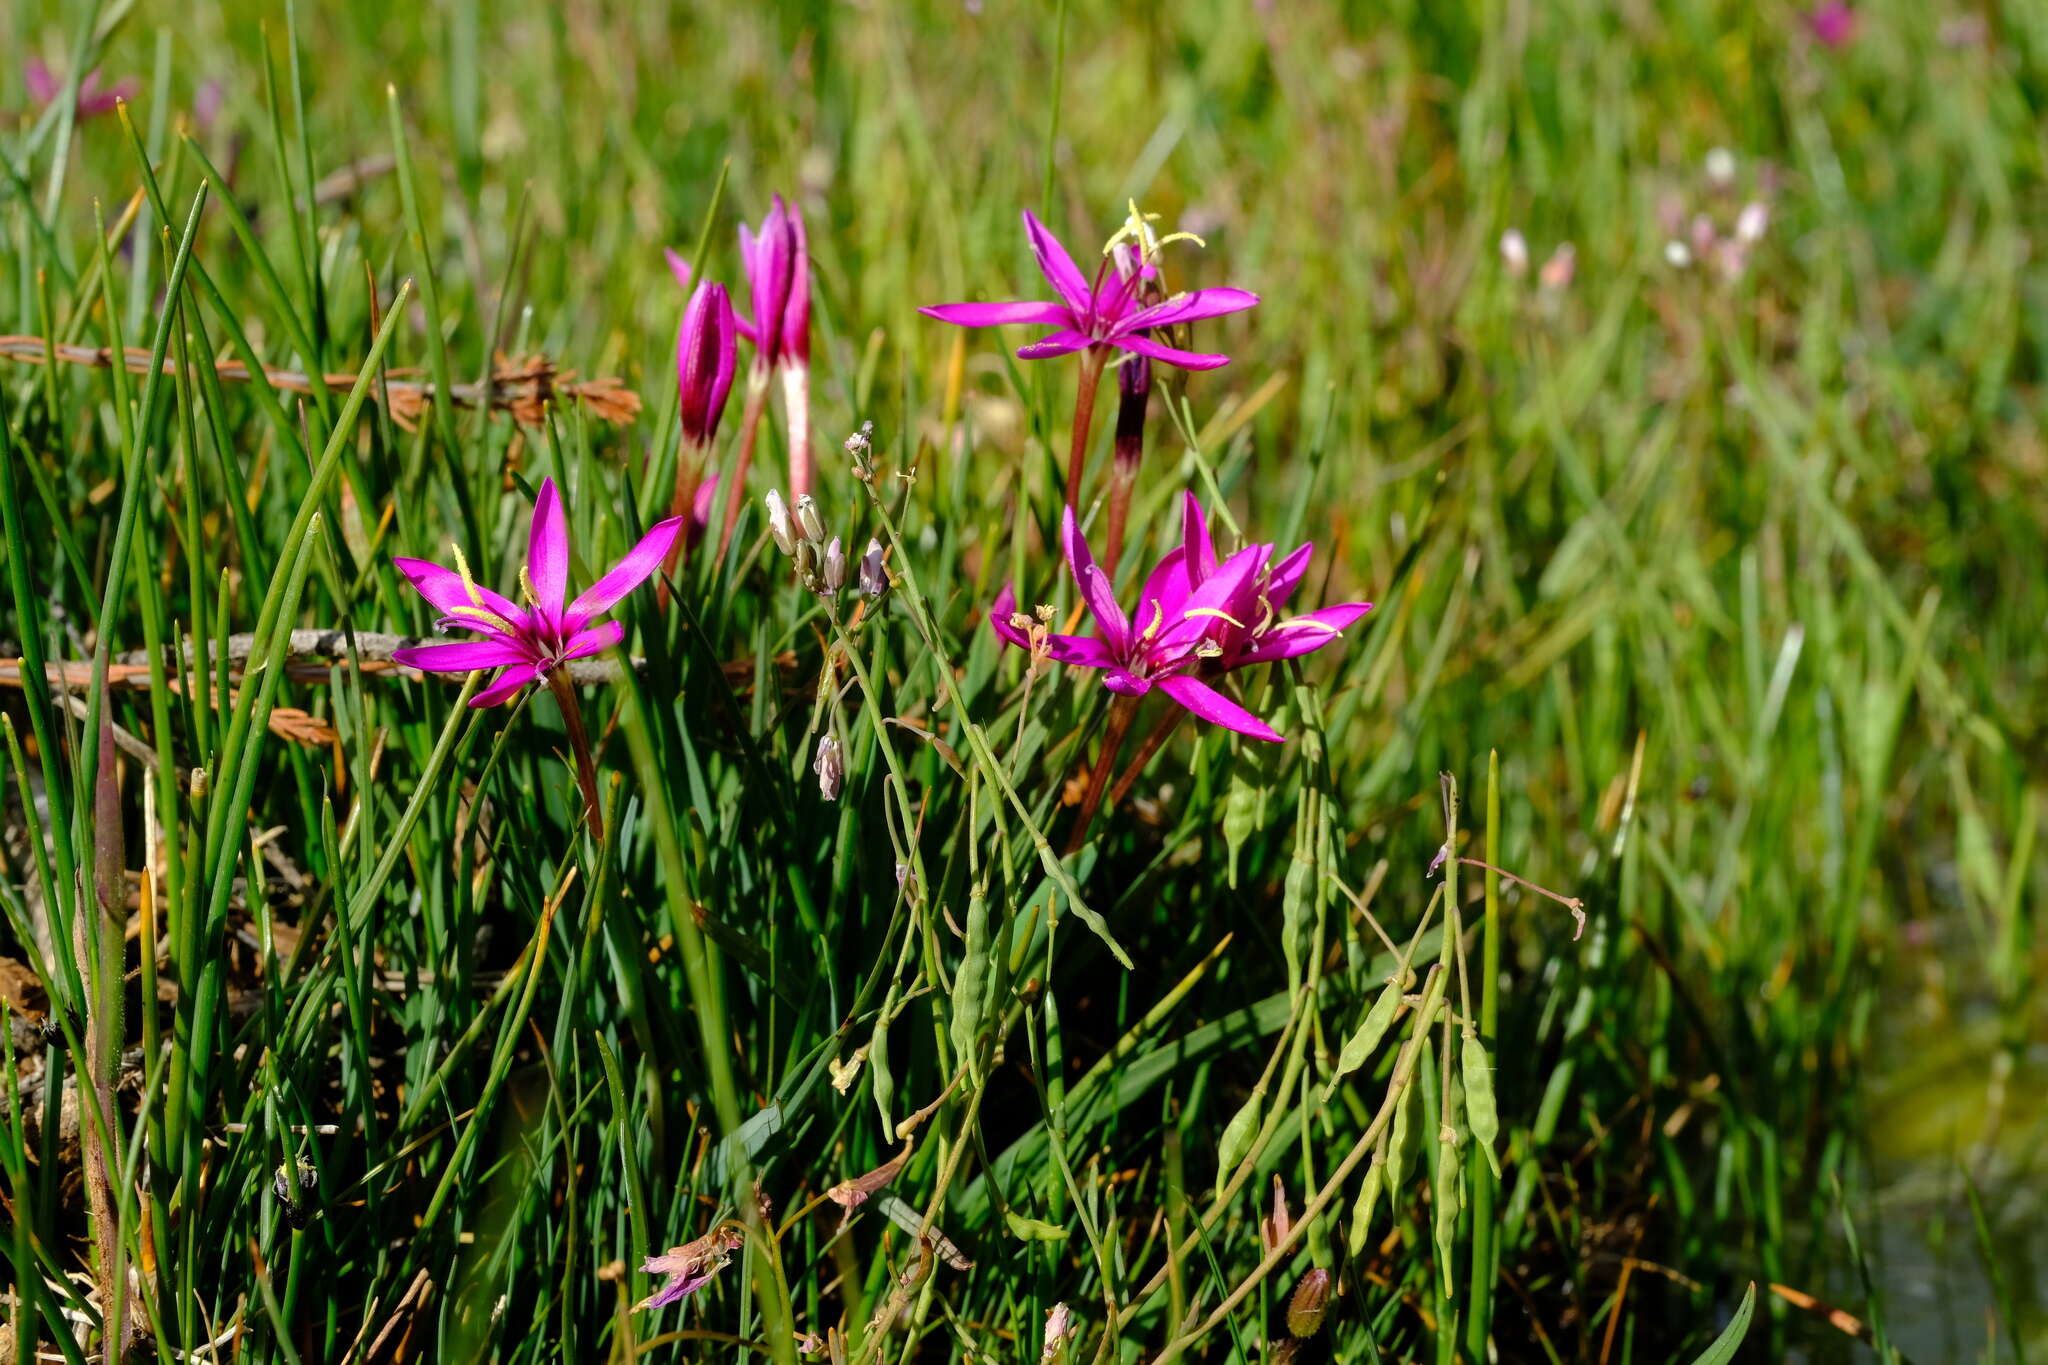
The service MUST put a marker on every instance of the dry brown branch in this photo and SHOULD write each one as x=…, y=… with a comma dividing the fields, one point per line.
x=522, y=385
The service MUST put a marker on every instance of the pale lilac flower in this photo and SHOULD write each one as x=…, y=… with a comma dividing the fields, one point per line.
x=830, y=765
x=526, y=643
x=44, y=87
x=874, y=579
x=690, y=1267
x=1059, y=1326
x=1197, y=619
x=1109, y=312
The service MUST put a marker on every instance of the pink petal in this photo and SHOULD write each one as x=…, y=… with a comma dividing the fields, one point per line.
x=1064, y=342
x=596, y=640
x=629, y=573
x=1212, y=706
x=999, y=618
x=1125, y=684
x=1165, y=593
x=464, y=656
x=1030, y=311
x=1228, y=590
x=1286, y=575
x=1187, y=360
x=444, y=589
x=1202, y=303
x=1195, y=542
x=1057, y=266
x=1096, y=589
x=1303, y=634
x=796, y=313
x=1082, y=651
x=678, y=267
x=506, y=685
x=547, y=550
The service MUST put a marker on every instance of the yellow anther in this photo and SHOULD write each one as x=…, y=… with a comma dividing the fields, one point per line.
x=1152, y=627
x=484, y=616
x=1216, y=612
x=526, y=592
x=469, y=587
x=1137, y=228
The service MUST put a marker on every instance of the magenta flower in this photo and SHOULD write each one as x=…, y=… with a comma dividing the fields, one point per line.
x=528, y=643
x=44, y=87
x=1833, y=22
x=1196, y=620
x=777, y=264
x=1109, y=312
x=705, y=357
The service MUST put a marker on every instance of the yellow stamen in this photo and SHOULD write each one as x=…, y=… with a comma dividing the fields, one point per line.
x=1216, y=612
x=1137, y=228
x=485, y=616
x=469, y=588
x=1158, y=615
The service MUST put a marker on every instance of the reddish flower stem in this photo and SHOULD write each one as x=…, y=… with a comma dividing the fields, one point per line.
x=1167, y=721
x=1120, y=713
x=689, y=475
x=579, y=745
x=750, y=427
x=1092, y=361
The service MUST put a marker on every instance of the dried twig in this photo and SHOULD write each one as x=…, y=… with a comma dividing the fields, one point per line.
x=520, y=385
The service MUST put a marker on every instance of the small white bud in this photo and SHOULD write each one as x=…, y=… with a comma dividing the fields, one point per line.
x=1720, y=168
x=830, y=766
x=1751, y=223
x=1514, y=252
x=1677, y=254
x=835, y=566
x=808, y=521
x=778, y=523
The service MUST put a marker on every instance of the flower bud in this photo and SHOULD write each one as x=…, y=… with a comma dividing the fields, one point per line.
x=1720, y=168
x=830, y=766
x=861, y=447
x=808, y=521
x=706, y=352
x=1310, y=1302
x=1059, y=1326
x=1558, y=270
x=874, y=580
x=778, y=523
x=1514, y=252
x=1677, y=254
x=1752, y=221
x=835, y=566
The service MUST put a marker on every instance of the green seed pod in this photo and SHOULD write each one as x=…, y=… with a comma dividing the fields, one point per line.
x=881, y=1079
x=1241, y=810
x=1358, y=1049
x=971, y=981
x=1480, y=1113
x=1368, y=1198
x=1237, y=1137
x=1450, y=1199
x=1397, y=1140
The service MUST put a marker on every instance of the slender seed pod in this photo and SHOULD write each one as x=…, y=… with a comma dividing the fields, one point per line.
x=1481, y=1114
